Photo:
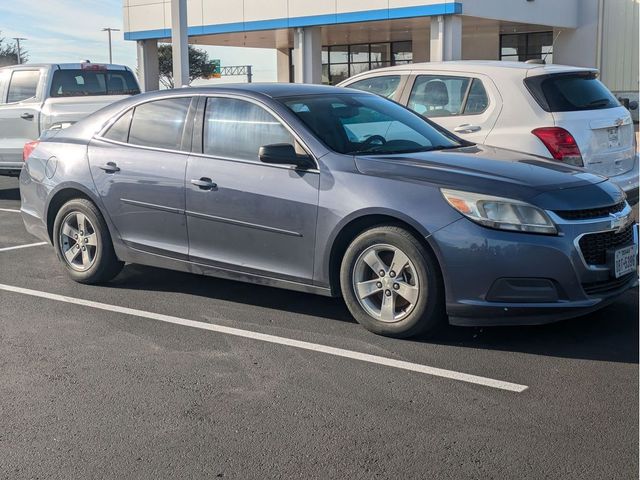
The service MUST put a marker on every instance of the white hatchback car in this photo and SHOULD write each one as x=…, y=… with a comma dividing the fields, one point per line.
x=554, y=111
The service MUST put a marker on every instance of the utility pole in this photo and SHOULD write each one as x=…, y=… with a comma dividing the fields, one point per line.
x=109, y=30
x=17, y=39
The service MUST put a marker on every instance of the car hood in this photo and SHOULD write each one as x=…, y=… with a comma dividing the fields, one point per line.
x=506, y=173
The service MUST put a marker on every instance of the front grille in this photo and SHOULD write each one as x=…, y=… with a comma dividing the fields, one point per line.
x=594, y=246
x=591, y=212
x=606, y=286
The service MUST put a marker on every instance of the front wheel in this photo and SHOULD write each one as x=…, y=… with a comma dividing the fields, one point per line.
x=392, y=284
x=83, y=244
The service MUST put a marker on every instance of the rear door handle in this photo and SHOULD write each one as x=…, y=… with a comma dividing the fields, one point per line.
x=26, y=116
x=467, y=128
x=110, y=167
x=204, y=183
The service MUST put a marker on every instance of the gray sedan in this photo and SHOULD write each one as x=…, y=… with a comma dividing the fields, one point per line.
x=335, y=192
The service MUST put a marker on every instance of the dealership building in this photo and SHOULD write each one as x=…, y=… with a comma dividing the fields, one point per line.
x=326, y=41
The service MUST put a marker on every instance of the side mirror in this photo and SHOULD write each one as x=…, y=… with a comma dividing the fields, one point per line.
x=283, y=154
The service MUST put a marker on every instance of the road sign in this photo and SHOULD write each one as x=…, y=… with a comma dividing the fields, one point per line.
x=216, y=69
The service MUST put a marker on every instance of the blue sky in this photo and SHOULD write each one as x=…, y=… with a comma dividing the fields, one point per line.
x=70, y=31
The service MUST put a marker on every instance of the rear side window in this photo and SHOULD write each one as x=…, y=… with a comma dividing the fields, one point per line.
x=477, y=100
x=386, y=86
x=83, y=83
x=438, y=96
x=570, y=92
x=159, y=124
x=237, y=129
x=23, y=85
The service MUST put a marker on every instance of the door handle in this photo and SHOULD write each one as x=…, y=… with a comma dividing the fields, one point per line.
x=467, y=128
x=110, y=167
x=204, y=183
x=26, y=116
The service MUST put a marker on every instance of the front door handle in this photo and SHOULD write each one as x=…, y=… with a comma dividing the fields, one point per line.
x=26, y=116
x=110, y=167
x=204, y=183
x=467, y=128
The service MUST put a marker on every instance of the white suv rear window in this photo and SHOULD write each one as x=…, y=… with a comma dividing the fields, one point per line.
x=570, y=92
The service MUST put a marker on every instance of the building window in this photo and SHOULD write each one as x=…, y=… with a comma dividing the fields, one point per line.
x=340, y=62
x=520, y=47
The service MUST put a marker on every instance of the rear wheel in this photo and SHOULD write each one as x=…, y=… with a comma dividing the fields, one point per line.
x=83, y=244
x=391, y=283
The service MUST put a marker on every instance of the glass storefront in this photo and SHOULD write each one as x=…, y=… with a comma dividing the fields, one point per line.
x=340, y=62
x=520, y=47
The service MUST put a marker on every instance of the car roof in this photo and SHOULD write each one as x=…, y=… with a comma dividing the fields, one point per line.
x=268, y=89
x=487, y=67
x=67, y=66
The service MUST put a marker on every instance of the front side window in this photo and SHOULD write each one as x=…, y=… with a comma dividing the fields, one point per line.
x=85, y=82
x=367, y=124
x=438, y=96
x=237, y=129
x=23, y=85
x=160, y=124
x=386, y=86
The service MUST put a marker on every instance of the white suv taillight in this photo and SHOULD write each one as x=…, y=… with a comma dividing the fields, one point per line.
x=28, y=149
x=561, y=144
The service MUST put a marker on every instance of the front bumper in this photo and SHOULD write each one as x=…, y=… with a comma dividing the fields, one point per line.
x=497, y=277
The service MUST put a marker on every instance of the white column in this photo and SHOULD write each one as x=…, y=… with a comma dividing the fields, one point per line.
x=180, y=43
x=446, y=38
x=307, y=55
x=148, y=67
x=282, y=60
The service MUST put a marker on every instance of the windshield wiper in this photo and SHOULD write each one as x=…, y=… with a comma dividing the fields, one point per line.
x=377, y=148
x=601, y=102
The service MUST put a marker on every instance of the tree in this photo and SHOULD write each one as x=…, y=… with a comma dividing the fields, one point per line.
x=199, y=64
x=9, y=53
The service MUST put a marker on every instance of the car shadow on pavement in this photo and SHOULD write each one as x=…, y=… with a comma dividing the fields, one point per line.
x=607, y=335
x=9, y=194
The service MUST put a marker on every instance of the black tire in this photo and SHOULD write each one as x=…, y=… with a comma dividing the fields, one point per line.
x=427, y=315
x=105, y=265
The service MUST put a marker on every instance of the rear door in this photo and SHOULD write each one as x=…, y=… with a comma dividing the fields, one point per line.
x=138, y=167
x=583, y=106
x=20, y=112
x=465, y=104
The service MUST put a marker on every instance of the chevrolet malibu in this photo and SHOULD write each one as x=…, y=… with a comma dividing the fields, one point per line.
x=335, y=192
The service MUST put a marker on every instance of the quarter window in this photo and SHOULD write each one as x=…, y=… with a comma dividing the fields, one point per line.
x=237, y=129
x=119, y=131
x=386, y=86
x=159, y=124
x=23, y=85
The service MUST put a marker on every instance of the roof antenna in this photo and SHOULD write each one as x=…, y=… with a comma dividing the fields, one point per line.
x=553, y=46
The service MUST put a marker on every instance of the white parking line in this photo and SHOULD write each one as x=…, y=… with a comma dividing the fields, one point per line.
x=11, y=210
x=18, y=247
x=315, y=347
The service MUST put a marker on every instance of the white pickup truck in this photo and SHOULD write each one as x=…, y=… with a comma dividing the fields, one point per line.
x=39, y=97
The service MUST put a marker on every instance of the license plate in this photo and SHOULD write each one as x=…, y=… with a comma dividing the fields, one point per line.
x=614, y=137
x=625, y=260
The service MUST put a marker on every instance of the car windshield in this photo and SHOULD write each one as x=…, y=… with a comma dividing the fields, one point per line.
x=367, y=124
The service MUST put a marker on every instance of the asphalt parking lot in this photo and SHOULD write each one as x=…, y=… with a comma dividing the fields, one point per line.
x=168, y=375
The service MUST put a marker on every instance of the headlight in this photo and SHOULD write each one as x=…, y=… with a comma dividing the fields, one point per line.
x=500, y=213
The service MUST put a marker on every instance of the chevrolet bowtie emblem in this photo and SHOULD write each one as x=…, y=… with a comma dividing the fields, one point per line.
x=619, y=121
x=619, y=220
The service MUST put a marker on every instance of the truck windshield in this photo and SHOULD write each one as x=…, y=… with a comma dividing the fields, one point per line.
x=83, y=83
x=368, y=124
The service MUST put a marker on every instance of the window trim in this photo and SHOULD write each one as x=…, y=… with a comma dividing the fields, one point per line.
x=197, y=127
x=189, y=135
x=198, y=137
x=38, y=86
x=416, y=74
